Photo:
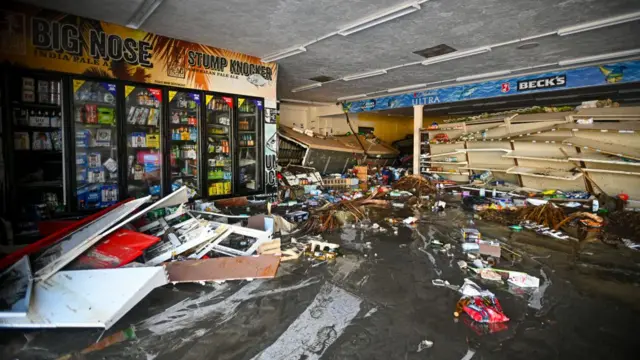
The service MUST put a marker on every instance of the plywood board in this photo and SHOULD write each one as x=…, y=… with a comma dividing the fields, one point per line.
x=544, y=173
x=607, y=148
x=87, y=298
x=607, y=171
x=223, y=269
x=520, y=130
x=16, y=284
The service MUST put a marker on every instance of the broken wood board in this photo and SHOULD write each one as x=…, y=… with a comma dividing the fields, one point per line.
x=87, y=298
x=607, y=148
x=619, y=113
x=16, y=284
x=558, y=157
x=625, y=127
x=223, y=269
x=544, y=173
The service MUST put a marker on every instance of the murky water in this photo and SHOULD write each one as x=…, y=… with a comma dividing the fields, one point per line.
x=378, y=302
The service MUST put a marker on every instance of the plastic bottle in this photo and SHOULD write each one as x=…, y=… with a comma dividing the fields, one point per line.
x=595, y=206
x=493, y=193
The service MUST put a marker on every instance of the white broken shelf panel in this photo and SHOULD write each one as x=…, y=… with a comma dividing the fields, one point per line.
x=544, y=173
x=607, y=148
x=488, y=167
x=87, y=298
x=528, y=156
x=597, y=157
x=607, y=171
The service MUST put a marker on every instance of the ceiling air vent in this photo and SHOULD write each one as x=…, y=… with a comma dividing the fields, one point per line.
x=321, y=78
x=435, y=51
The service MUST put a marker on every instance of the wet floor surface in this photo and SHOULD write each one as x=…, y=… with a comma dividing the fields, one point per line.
x=382, y=305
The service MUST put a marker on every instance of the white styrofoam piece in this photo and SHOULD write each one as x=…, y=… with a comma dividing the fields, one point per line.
x=16, y=284
x=87, y=298
x=74, y=244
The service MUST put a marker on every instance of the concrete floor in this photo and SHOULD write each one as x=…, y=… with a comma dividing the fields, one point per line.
x=382, y=307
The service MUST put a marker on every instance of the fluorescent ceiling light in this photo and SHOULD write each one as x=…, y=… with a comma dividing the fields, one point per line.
x=305, y=102
x=599, y=24
x=482, y=76
x=364, y=75
x=408, y=87
x=307, y=87
x=379, y=18
x=284, y=54
x=352, y=97
x=143, y=12
x=614, y=55
x=456, y=55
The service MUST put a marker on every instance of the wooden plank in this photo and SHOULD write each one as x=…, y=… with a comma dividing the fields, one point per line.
x=540, y=139
x=528, y=132
x=544, y=173
x=223, y=269
x=607, y=148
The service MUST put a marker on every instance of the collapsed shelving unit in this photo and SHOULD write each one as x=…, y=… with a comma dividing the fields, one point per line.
x=601, y=141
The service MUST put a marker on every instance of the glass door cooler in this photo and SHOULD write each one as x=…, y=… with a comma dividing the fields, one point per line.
x=184, y=119
x=218, y=159
x=143, y=114
x=36, y=159
x=95, y=142
x=247, y=127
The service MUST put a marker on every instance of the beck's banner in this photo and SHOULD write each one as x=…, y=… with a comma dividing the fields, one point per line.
x=605, y=74
x=49, y=40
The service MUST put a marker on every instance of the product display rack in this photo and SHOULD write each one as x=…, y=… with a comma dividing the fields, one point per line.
x=184, y=139
x=247, y=140
x=36, y=153
x=218, y=134
x=94, y=122
x=143, y=118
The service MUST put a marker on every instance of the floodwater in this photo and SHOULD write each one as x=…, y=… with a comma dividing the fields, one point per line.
x=378, y=302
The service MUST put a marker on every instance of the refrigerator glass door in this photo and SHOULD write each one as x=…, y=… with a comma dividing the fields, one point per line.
x=143, y=109
x=184, y=117
x=96, y=147
x=249, y=111
x=219, y=166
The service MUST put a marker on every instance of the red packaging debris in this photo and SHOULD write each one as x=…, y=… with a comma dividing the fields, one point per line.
x=484, y=309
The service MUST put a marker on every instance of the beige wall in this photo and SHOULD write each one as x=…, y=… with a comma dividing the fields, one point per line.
x=330, y=120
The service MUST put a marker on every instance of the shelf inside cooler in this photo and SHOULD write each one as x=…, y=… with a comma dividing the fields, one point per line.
x=97, y=126
x=41, y=184
x=246, y=131
x=98, y=104
x=35, y=128
x=40, y=105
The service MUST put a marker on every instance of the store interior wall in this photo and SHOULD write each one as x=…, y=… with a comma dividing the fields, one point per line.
x=330, y=120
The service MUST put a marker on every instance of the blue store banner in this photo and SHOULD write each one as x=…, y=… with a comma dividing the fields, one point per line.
x=623, y=72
